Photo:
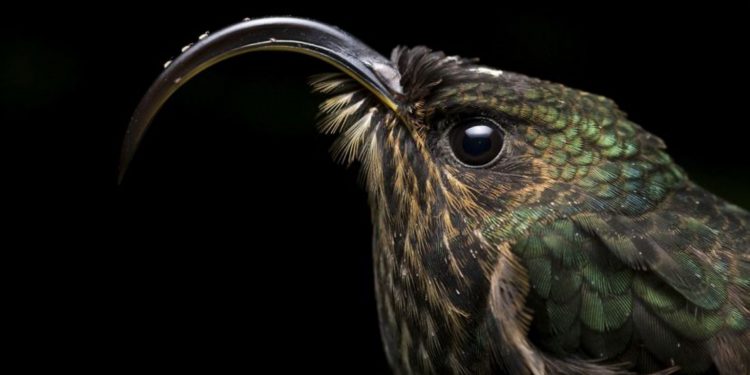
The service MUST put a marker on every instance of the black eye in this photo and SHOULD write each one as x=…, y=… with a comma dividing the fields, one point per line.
x=476, y=142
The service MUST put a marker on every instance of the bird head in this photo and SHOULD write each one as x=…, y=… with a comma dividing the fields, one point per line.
x=457, y=157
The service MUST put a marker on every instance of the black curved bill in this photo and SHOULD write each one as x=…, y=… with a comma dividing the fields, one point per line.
x=291, y=34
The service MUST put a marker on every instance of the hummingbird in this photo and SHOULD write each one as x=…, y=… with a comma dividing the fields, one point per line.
x=519, y=226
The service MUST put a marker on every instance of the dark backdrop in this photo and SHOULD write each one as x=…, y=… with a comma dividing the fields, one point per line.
x=234, y=240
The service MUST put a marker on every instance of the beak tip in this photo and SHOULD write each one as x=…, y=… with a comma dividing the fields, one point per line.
x=120, y=176
x=126, y=156
x=121, y=172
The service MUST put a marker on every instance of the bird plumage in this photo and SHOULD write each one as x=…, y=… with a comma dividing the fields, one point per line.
x=583, y=249
x=519, y=226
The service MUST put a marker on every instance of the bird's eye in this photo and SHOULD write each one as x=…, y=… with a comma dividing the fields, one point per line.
x=476, y=142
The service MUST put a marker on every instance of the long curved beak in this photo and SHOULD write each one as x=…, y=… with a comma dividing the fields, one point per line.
x=312, y=38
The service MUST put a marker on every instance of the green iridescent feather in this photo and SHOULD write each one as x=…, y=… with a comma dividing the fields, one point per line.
x=602, y=283
x=628, y=261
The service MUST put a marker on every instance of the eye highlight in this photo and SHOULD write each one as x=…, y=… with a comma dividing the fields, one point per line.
x=476, y=142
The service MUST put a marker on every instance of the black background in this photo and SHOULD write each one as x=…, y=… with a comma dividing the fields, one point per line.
x=234, y=241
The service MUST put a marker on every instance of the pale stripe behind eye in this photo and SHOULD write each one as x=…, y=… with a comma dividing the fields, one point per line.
x=486, y=70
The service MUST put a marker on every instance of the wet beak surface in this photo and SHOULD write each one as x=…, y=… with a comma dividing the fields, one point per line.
x=289, y=34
